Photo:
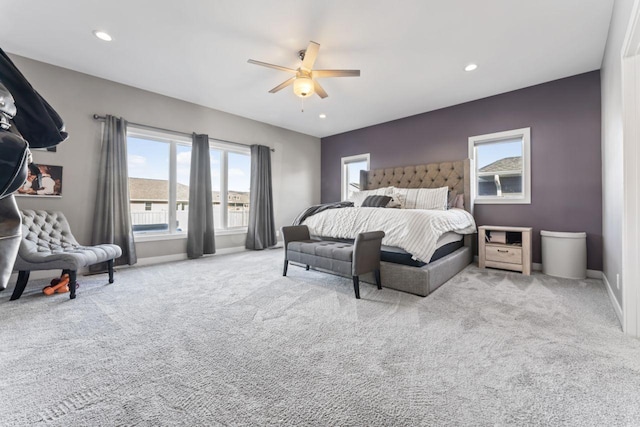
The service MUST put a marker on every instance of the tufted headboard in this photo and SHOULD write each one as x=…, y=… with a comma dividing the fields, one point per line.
x=456, y=175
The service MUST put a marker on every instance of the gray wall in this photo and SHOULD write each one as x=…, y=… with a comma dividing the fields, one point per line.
x=564, y=116
x=612, y=162
x=77, y=96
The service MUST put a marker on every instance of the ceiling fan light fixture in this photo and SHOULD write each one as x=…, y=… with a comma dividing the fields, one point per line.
x=303, y=87
x=102, y=35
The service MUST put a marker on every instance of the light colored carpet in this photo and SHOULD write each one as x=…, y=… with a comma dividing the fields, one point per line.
x=228, y=341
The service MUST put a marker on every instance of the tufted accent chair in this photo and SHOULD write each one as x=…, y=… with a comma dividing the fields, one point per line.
x=47, y=243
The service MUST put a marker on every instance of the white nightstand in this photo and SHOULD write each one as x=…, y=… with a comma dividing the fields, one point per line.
x=511, y=253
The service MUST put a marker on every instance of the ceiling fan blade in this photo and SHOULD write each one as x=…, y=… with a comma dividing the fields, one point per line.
x=276, y=67
x=335, y=73
x=319, y=90
x=282, y=85
x=310, y=55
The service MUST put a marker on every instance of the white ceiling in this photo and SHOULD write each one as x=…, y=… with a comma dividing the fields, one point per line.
x=411, y=52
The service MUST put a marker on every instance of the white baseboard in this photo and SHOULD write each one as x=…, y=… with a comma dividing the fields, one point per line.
x=591, y=274
x=181, y=257
x=50, y=274
x=614, y=301
x=39, y=274
x=536, y=266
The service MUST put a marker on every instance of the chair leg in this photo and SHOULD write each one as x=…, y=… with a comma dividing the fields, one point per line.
x=23, y=278
x=286, y=264
x=378, y=282
x=72, y=284
x=110, y=266
x=356, y=286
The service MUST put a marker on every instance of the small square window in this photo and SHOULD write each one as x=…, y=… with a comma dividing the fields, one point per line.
x=351, y=167
x=502, y=167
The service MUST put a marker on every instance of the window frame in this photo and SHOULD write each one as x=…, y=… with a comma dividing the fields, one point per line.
x=344, y=163
x=174, y=139
x=475, y=141
x=225, y=148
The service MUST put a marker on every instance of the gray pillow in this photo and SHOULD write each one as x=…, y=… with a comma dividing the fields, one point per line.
x=376, y=201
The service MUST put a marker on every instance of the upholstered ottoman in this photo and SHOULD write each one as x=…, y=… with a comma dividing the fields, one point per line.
x=343, y=258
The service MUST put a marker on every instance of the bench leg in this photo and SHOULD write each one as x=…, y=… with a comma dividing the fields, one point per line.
x=286, y=264
x=23, y=278
x=72, y=284
x=110, y=266
x=356, y=286
x=378, y=282
x=307, y=267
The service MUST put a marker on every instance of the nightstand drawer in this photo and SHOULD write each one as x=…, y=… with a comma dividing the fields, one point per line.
x=508, y=254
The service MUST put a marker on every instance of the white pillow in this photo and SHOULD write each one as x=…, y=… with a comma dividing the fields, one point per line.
x=423, y=198
x=358, y=197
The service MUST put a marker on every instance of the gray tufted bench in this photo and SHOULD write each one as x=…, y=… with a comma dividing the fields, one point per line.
x=47, y=243
x=353, y=260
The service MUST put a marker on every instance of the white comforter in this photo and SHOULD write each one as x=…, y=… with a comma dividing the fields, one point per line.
x=414, y=230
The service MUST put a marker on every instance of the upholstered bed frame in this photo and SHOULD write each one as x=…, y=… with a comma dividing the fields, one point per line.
x=457, y=176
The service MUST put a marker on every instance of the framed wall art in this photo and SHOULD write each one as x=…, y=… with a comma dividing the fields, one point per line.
x=46, y=183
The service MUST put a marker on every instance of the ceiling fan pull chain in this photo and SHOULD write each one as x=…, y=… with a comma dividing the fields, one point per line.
x=302, y=105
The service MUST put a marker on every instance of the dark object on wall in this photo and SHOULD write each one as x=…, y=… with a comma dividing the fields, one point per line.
x=14, y=154
x=36, y=182
x=14, y=151
x=35, y=119
x=10, y=236
x=37, y=122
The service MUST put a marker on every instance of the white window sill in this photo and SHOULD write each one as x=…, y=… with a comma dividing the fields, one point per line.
x=501, y=201
x=166, y=236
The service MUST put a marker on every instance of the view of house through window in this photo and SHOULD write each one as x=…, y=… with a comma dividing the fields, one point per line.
x=159, y=175
x=351, y=167
x=502, y=166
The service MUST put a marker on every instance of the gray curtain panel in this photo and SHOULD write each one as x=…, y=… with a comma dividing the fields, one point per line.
x=200, y=234
x=112, y=219
x=262, y=231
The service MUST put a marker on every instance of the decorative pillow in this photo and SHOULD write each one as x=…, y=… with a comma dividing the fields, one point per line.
x=376, y=201
x=396, y=201
x=423, y=198
x=358, y=197
x=455, y=200
x=451, y=199
x=459, y=202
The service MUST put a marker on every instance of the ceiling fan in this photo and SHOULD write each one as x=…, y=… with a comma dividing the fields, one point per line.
x=304, y=82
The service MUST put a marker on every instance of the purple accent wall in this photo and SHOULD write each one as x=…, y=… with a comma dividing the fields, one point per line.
x=564, y=117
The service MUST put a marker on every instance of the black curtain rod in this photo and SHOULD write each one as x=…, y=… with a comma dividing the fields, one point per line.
x=97, y=117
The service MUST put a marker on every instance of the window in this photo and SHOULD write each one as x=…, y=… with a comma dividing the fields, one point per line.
x=159, y=174
x=351, y=167
x=159, y=166
x=231, y=178
x=502, y=167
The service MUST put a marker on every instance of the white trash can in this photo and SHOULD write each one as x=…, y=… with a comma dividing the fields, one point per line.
x=564, y=254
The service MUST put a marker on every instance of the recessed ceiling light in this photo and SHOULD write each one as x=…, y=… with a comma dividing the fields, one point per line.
x=323, y=116
x=102, y=35
x=471, y=67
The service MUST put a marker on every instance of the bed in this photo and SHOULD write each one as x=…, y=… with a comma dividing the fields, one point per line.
x=415, y=265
